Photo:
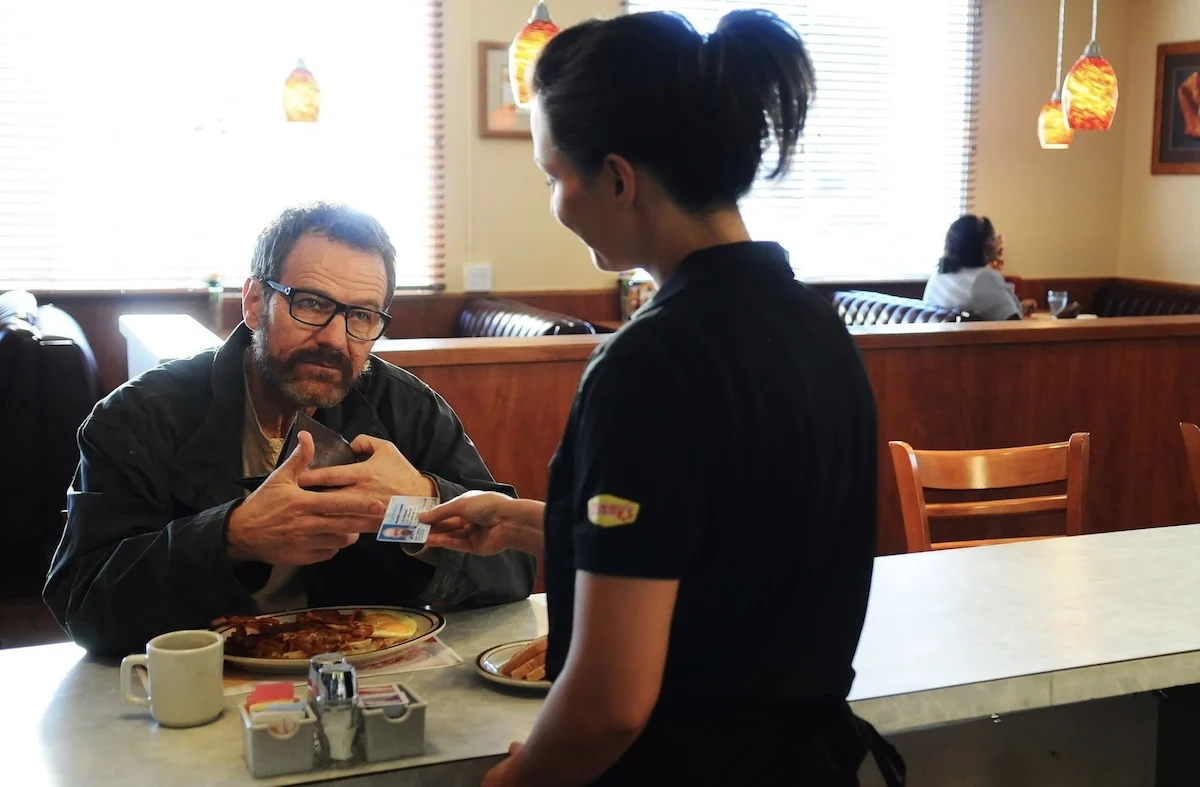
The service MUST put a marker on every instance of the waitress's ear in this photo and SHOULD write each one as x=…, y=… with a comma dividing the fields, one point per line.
x=621, y=177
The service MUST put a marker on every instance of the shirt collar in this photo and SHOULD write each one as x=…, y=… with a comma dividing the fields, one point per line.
x=719, y=266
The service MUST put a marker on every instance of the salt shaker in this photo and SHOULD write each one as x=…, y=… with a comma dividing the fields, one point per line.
x=314, y=671
x=337, y=701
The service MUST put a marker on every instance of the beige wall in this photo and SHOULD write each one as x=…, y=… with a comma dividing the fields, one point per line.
x=497, y=203
x=1160, y=221
x=1059, y=211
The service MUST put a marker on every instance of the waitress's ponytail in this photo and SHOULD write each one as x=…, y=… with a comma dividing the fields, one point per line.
x=761, y=73
x=698, y=112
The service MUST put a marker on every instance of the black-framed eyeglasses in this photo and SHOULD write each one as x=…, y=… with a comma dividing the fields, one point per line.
x=317, y=310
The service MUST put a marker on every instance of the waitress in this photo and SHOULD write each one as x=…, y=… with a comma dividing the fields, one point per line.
x=709, y=528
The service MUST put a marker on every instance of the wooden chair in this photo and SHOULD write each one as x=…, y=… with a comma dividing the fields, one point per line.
x=1191, y=445
x=1000, y=468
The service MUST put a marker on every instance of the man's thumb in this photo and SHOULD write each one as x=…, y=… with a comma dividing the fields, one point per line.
x=300, y=459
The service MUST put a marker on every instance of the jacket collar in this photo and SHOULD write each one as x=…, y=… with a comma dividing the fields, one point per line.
x=204, y=470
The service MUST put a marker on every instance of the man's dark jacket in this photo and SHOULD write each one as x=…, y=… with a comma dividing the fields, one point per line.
x=144, y=547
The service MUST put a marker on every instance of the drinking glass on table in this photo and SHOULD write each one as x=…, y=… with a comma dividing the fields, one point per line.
x=1056, y=301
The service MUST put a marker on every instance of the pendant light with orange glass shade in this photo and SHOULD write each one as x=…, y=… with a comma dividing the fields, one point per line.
x=1090, y=91
x=1053, y=131
x=301, y=96
x=524, y=51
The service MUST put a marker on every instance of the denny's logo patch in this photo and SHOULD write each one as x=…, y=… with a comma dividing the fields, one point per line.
x=611, y=511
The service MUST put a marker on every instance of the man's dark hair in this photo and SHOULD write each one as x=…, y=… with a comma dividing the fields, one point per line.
x=697, y=111
x=339, y=223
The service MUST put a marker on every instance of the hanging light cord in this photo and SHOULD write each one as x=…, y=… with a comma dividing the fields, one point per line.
x=1062, y=15
x=1095, y=12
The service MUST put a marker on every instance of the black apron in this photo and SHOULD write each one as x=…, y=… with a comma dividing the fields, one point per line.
x=761, y=745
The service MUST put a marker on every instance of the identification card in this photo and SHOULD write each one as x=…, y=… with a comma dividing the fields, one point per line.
x=400, y=523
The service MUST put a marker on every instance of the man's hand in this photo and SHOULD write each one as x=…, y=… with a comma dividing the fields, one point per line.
x=282, y=524
x=486, y=523
x=384, y=473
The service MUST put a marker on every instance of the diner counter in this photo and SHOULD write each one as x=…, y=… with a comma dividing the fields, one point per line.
x=950, y=637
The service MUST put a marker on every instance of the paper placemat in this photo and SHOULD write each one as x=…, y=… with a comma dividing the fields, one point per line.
x=430, y=654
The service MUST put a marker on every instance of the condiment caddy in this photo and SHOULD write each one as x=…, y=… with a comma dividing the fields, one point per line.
x=338, y=725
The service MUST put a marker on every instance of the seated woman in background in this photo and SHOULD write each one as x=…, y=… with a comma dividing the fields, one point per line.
x=968, y=275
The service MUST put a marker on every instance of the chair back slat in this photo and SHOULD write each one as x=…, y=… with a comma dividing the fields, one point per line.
x=993, y=469
x=1015, y=506
x=1000, y=468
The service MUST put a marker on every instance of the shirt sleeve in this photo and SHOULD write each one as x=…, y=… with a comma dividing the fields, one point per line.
x=991, y=298
x=639, y=483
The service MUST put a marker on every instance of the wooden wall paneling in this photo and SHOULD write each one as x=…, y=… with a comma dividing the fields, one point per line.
x=1129, y=393
x=1128, y=382
x=515, y=414
x=513, y=395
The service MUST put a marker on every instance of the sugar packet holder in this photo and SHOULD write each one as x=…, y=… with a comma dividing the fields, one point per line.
x=389, y=737
x=269, y=753
x=380, y=736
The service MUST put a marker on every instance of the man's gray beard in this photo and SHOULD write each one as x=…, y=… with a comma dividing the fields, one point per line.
x=288, y=388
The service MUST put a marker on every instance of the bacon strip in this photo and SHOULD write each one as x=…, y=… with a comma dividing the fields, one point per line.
x=325, y=631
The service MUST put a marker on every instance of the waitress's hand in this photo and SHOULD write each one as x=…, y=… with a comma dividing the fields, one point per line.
x=501, y=774
x=486, y=523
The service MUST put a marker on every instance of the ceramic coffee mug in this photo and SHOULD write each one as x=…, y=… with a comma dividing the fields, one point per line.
x=186, y=686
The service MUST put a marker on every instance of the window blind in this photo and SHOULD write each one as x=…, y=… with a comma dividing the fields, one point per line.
x=143, y=144
x=886, y=158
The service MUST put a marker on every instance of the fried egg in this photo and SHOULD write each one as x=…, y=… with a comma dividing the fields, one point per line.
x=390, y=626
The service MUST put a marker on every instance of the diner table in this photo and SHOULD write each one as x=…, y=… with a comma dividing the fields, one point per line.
x=1043, y=314
x=1030, y=663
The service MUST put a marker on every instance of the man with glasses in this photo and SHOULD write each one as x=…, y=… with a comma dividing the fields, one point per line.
x=159, y=534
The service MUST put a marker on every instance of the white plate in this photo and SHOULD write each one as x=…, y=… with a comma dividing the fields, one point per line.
x=428, y=624
x=492, y=660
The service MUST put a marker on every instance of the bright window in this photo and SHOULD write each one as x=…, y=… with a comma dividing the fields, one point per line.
x=885, y=164
x=143, y=144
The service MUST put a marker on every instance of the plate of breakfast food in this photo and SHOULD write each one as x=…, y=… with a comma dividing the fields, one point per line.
x=518, y=664
x=285, y=641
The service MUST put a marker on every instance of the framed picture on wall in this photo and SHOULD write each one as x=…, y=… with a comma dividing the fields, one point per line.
x=1177, y=110
x=499, y=115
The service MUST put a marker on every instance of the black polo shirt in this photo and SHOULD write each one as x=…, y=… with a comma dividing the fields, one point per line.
x=726, y=438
